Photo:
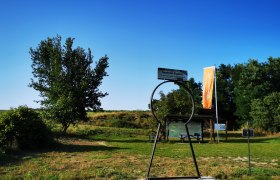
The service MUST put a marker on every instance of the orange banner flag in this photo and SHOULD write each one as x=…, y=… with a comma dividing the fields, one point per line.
x=208, y=83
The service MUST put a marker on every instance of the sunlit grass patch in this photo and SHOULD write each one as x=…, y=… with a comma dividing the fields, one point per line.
x=91, y=152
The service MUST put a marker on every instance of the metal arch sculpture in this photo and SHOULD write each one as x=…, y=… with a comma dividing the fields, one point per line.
x=179, y=83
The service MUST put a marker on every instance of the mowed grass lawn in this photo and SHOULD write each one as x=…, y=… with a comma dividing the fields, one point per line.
x=90, y=152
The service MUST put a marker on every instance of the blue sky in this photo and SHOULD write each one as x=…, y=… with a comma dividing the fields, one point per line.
x=138, y=36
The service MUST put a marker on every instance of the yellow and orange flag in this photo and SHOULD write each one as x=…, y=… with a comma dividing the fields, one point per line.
x=208, y=83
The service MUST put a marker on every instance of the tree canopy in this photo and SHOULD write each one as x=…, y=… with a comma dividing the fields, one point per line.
x=266, y=112
x=246, y=92
x=67, y=83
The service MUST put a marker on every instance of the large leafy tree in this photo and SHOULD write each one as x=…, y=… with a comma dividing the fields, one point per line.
x=67, y=83
x=252, y=84
x=266, y=112
x=254, y=81
x=225, y=93
x=273, y=73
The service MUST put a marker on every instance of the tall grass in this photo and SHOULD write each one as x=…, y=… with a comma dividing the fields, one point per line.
x=104, y=152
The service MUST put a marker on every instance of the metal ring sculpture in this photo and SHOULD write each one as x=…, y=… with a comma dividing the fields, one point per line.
x=179, y=83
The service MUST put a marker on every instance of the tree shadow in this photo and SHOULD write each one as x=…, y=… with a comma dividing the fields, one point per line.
x=71, y=148
x=123, y=140
x=14, y=157
x=127, y=139
x=245, y=140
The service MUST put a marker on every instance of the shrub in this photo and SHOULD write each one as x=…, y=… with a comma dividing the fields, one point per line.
x=128, y=119
x=25, y=127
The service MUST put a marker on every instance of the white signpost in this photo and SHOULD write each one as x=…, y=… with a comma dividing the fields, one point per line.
x=172, y=74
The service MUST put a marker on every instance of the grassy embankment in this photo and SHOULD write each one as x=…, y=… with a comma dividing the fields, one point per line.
x=96, y=152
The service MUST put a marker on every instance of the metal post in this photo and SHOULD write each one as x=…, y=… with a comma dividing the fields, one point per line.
x=216, y=99
x=192, y=151
x=153, y=152
x=249, y=155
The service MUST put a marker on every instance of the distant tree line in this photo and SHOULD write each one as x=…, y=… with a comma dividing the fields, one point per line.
x=245, y=92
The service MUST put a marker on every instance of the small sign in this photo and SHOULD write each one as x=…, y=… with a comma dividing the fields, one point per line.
x=220, y=127
x=172, y=74
x=248, y=133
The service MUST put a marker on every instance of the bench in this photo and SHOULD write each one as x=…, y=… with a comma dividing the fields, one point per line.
x=195, y=135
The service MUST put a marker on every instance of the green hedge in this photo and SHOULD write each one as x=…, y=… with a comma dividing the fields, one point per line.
x=24, y=127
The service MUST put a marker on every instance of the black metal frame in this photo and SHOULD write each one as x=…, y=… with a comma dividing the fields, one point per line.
x=179, y=83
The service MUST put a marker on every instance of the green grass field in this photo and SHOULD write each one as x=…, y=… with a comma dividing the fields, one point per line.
x=91, y=152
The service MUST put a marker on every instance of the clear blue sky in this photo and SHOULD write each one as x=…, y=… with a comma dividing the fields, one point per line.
x=138, y=36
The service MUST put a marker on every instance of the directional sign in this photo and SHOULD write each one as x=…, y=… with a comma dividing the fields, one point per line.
x=172, y=74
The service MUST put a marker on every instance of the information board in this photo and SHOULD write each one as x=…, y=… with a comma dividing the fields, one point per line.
x=177, y=128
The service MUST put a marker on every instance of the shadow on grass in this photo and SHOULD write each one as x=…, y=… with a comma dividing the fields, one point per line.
x=252, y=140
x=70, y=148
x=135, y=140
x=122, y=140
x=232, y=134
x=14, y=157
x=236, y=140
x=104, y=137
x=194, y=141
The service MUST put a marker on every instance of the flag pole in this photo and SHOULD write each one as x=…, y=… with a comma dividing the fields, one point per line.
x=216, y=99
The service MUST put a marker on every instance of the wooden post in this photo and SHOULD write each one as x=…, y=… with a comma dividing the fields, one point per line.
x=202, y=125
x=226, y=130
x=211, y=134
x=212, y=131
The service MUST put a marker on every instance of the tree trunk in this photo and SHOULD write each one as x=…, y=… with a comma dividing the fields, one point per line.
x=65, y=127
